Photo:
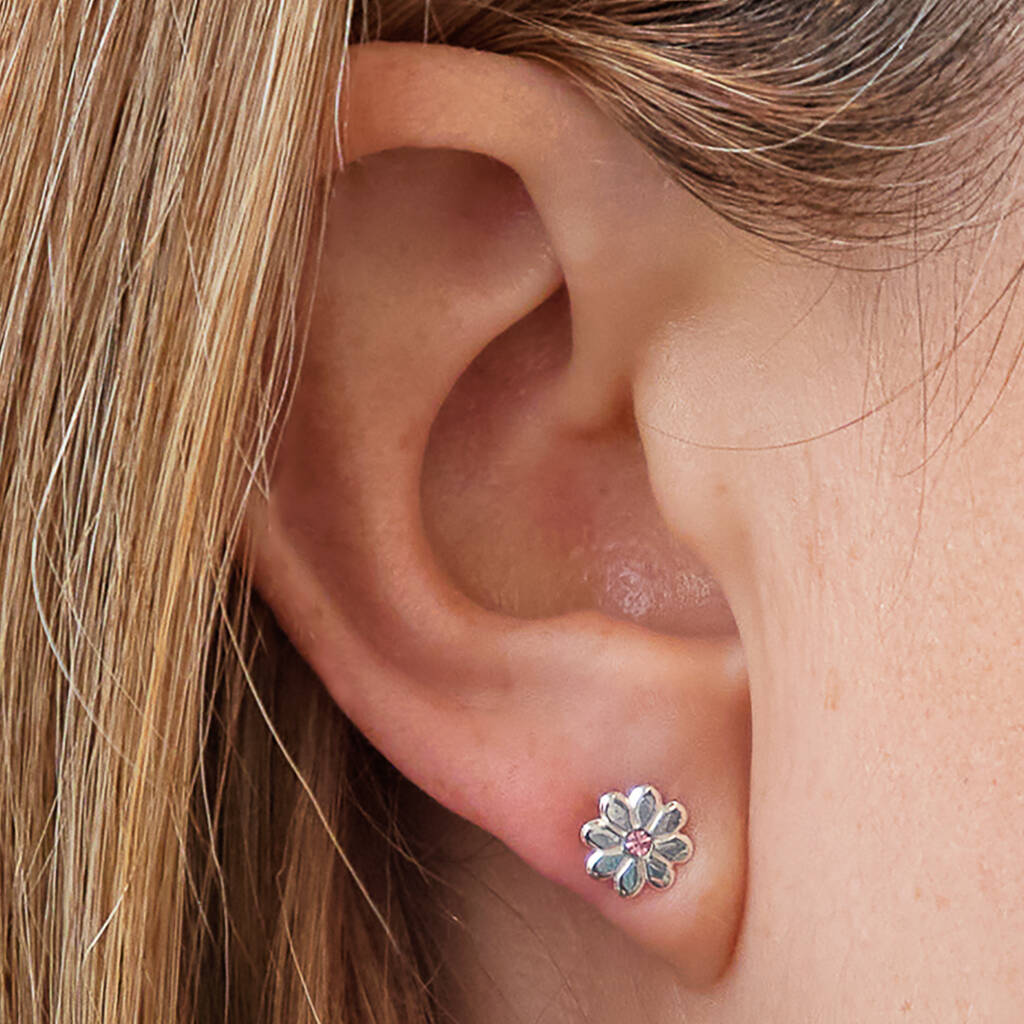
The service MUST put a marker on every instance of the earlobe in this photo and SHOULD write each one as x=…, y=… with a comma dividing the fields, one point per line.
x=519, y=724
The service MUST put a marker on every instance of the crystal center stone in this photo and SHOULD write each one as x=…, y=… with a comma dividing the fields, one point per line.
x=638, y=843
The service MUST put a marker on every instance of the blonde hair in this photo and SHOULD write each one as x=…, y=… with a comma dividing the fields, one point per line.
x=175, y=833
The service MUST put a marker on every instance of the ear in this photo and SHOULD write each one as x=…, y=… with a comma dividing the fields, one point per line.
x=460, y=536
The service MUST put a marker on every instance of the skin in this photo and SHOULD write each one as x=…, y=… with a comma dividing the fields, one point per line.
x=880, y=619
x=636, y=394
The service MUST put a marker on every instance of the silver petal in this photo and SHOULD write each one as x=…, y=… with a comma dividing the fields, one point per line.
x=597, y=834
x=629, y=879
x=676, y=848
x=645, y=802
x=659, y=874
x=604, y=863
x=672, y=819
x=616, y=811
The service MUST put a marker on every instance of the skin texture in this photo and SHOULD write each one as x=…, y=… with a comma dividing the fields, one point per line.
x=530, y=407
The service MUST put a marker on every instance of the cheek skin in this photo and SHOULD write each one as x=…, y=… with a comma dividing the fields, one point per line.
x=882, y=637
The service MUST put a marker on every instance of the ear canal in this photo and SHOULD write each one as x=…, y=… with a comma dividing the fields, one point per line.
x=533, y=518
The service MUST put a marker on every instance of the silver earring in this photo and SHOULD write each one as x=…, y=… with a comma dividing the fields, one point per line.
x=636, y=840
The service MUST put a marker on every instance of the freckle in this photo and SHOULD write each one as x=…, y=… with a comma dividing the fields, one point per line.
x=942, y=902
x=832, y=696
x=917, y=892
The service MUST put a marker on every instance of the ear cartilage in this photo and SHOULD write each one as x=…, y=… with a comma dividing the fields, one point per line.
x=637, y=840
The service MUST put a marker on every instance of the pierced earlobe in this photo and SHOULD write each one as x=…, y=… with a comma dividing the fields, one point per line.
x=464, y=403
x=637, y=840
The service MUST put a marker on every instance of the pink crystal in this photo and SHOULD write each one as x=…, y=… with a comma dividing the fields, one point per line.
x=638, y=843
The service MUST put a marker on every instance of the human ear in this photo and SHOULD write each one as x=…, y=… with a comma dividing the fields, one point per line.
x=495, y=258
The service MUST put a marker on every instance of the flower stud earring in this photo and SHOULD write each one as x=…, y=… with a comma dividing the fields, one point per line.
x=636, y=840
